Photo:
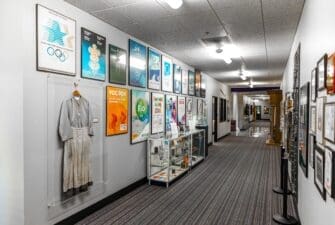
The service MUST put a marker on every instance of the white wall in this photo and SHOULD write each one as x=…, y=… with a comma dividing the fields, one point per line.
x=316, y=35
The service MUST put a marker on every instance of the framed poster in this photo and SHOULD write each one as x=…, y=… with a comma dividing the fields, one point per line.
x=55, y=42
x=322, y=72
x=140, y=116
x=312, y=124
x=197, y=83
x=191, y=83
x=203, y=87
x=311, y=145
x=330, y=81
x=319, y=173
x=117, y=65
x=181, y=110
x=330, y=172
x=314, y=85
x=329, y=122
x=319, y=119
x=117, y=110
x=137, y=64
x=176, y=79
x=200, y=108
x=170, y=111
x=157, y=113
x=93, y=55
x=303, y=128
x=189, y=109
x=184, y=82
x=154, y=69
x=167, y=76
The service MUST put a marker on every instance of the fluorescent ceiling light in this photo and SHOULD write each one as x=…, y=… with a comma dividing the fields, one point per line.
x=175, y=4
x=243, y=77
x=231, y=50
x=250, y=84
x=212, y=50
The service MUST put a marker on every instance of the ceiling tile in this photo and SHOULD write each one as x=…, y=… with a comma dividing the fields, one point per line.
x=114, y=17
x=89, y=5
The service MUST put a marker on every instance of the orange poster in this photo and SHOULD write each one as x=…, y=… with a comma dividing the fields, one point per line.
x=117, y=111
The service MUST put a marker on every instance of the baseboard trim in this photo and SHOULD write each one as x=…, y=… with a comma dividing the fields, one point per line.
x=222, y=137
x=100, y=204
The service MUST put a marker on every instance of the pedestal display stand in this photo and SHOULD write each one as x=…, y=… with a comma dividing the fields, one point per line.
x=280, y=189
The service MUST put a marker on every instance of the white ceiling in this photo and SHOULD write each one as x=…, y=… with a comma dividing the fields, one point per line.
x=263, y=30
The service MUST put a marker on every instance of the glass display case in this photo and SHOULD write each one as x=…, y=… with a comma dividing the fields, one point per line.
x=198, y=147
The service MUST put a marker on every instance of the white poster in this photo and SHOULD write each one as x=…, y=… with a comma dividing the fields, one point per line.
x=330, y=122
x=328, y=171
x=56, y=42
x=158, y=111
x=313, y=120
x=189, y=109
x=181, y=111
x=184, y=81
x=167, y=74
x=319, y=120
x=200, y=109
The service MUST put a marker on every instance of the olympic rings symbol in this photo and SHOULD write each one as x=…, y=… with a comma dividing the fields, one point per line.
x=62, y=56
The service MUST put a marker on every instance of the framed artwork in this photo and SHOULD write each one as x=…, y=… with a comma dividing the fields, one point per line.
x=157, y=113
x=189, y=109
x=167, y=76
x=314, y=85
x=191, y=83
x=184, y=82
x=176, y=79
x=203, y=87
x=330, y=172
x=140, y=116
x=200, y=108
x=117, y=110
x=181, y=110
x=170, y=111
x=154, y=69
x=322, y=72
x=55, y=42
x=319, y=173
x=197, y=83
x=117, y=65
x=93, y=55
x=311, y=148
x=329, y=122
x=330, y=81
x=137, y=64
x=319, y=119
x=312, y=124
x=303, y=128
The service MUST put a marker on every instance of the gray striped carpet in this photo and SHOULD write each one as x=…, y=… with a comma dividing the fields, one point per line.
x=232, y=187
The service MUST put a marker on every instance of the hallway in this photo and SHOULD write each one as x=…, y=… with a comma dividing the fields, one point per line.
x=232, y=187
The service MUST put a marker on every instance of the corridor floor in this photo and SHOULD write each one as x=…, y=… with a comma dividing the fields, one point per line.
x=233, y=186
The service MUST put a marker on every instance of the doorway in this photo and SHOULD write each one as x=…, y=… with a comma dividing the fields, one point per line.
x=258, y=112
x=215, y=118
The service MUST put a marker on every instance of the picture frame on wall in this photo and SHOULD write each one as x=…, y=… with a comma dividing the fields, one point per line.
x=198, y=84
x=330, y=172
x=116, y=110
x=329, y=122
x=157, y=113
x=312, y=124
x=170, y=112
x=314, y=92
x=154, y=69
x=177, y=79
x=322, y=72
x=117, y=65
x=319, y=119
x=189, y=109
x=191, y=83
x=312, y=143
x=167, y=74
x=319, y=171
x=93, y=55
x=181, y=110
x=330, y=81
x=184, y=82
x=303, y=128
x=137, y=71
x=55, y=42
x=203, y=87
x=200, y=108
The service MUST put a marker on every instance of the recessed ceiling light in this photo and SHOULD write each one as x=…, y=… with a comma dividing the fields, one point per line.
x=175, y=4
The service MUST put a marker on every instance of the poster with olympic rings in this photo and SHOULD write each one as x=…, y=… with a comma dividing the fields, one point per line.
x=55, y=42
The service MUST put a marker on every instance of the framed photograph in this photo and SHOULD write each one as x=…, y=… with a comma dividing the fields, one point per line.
x=330, y=82
x=198, y=84
x=303, y=128
x=312, y=124
x=137, y=64
x=203, y=87
x=319, y=119
x=170, y=111
x=191, y=83
x=200, y=108
x=154, y=69
x=157, y=113
x=93, y=55
x=189, y=109
x=184, y=82
x=117, y=65
x=322, y=72
x=55, y=42
x=314, y=92
x=140, y=116
x=311, y=148
x=181, y=110
x=329, y=122
x=330, y=172
x=117, y=110
x=319, y=173
x=176, y=79
x=167, y=74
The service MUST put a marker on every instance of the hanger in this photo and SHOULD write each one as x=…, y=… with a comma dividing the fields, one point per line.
x=76, y=93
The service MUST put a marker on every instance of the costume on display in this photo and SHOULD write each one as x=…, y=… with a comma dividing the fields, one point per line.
x=75, y=129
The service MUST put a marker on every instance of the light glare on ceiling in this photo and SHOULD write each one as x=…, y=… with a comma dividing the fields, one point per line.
x=174, y=4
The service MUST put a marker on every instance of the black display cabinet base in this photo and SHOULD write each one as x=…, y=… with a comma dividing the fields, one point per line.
x=286, y=221
x=280, y=191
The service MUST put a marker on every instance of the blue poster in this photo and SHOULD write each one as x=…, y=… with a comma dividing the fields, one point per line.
x=176, y=79
x=154, y=67
x=93, y=55
x=137, y=64
x=170, y=111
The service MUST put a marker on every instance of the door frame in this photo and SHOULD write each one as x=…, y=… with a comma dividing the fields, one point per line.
x=215, y=118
